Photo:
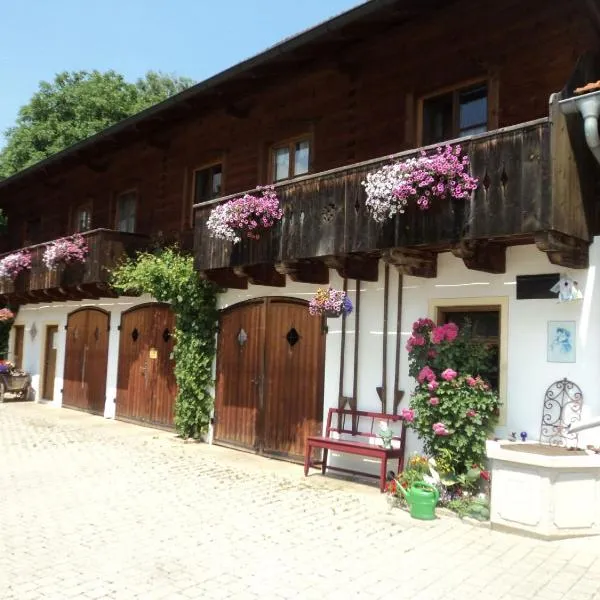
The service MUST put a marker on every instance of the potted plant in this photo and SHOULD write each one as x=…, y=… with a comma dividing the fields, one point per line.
x=14, y=264
x=330, y=302
x=65, y=251
x=6, y=315
x=247, y=216
x=443, y=175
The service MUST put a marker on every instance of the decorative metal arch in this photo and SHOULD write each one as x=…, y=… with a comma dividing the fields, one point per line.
x=562, y=407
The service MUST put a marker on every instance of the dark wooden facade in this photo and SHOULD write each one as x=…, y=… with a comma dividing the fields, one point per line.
x=354, y=87
x=106, y=248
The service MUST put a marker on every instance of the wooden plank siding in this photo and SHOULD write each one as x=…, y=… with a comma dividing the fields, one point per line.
x=106, y=248
x=357, y=99
x=325, y=214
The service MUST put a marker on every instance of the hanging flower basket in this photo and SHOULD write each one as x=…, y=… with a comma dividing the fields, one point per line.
x=248, y=216
x=15, y=263
x=330, y=303
x=423, y=181
x=6, y=315
x=65, y=251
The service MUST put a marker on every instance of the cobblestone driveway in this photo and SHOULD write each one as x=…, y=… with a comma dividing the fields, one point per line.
x=96, y=509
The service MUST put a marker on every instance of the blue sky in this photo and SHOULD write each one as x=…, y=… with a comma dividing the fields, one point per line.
x=195, y=38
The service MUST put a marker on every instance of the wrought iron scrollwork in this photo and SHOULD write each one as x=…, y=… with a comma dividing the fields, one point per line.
x=562, y=407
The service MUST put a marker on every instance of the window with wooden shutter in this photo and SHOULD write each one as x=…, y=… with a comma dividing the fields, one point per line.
x=455, y=113
x=126, y=212
x=291, y=159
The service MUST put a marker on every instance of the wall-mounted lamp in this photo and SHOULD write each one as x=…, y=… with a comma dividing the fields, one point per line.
x=33, y=332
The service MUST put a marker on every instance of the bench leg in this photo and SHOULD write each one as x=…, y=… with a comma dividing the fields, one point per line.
x=324, y=465
x=307, y=452
x=382, y=474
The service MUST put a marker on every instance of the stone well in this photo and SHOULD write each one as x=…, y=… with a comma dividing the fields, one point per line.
x=544, y=491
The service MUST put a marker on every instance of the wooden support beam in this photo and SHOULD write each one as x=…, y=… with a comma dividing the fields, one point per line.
x=225, y=278
x=304, y=271
x=564, y=250
x=261, y=275
x=354, y=266
x=480, y=255
x=409, y=261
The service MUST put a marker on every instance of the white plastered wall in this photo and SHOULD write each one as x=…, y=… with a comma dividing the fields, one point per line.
x=527, y=371
x=36, y=317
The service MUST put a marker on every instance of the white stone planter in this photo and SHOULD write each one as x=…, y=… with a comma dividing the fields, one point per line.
x=544, y=496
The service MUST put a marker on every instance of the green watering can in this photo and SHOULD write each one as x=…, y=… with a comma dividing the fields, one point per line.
x=422, y=499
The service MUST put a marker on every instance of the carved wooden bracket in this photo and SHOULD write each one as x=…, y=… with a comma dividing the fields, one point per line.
x=354, y=266
x=564, y=250
x=97, y=165
x=304, y=271
x=480, y=255
x=261, y=275
x=408, y=261
x=225, y=278
x=239, y=111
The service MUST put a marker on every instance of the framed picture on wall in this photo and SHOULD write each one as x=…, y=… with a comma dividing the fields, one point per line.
x=562, y=341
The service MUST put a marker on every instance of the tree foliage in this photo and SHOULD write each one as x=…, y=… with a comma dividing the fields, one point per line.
x=76, y=105
x=170, y=277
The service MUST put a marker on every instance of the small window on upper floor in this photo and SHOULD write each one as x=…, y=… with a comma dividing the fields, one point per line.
x=291, y=159
x=208, y=183
x=83, y=217
x=458, y=113
x=32, y=232
x=126, y=212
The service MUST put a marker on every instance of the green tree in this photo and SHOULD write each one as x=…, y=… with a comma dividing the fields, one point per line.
x=76, y=105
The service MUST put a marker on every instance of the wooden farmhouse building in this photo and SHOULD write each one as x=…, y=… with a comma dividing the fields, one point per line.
x=314, y=115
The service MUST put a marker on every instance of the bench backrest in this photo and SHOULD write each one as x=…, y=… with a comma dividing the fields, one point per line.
x=361, y=423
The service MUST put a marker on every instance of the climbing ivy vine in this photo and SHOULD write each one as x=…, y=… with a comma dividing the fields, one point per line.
x=169, y=276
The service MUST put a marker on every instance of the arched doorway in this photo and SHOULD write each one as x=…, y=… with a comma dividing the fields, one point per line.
x=270, y=368
x=86, y=359
x=146, y=387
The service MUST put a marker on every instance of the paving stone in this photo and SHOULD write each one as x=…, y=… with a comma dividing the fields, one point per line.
x=95, y=509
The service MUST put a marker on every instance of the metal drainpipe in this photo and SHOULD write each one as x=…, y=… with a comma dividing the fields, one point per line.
x=583, y=426
x=588, y=105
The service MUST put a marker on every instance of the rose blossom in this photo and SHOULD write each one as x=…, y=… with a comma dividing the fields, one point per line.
x=471, y=413
x=434, y=401
x=408, y=414
x=426, y=374
x=471, y=381
x=432, y=386
x=449, y=374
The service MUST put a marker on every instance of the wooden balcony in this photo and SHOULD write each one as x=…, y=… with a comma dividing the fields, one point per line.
x=76, y=281
x=529, y=191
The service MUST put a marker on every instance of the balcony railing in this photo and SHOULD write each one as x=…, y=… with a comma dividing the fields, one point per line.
x=517, y=200
x=79, y=280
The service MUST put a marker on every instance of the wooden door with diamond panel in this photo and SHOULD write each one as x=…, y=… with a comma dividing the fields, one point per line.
x=86, y=360
x=240, y=356
x=270, y=369
x=146, y=387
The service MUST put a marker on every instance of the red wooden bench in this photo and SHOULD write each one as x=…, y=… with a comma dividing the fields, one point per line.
x=356, y=423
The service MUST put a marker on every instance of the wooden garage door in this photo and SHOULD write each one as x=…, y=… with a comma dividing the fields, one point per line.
x=270, y=367
x=146, y=387
x=86, y=359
